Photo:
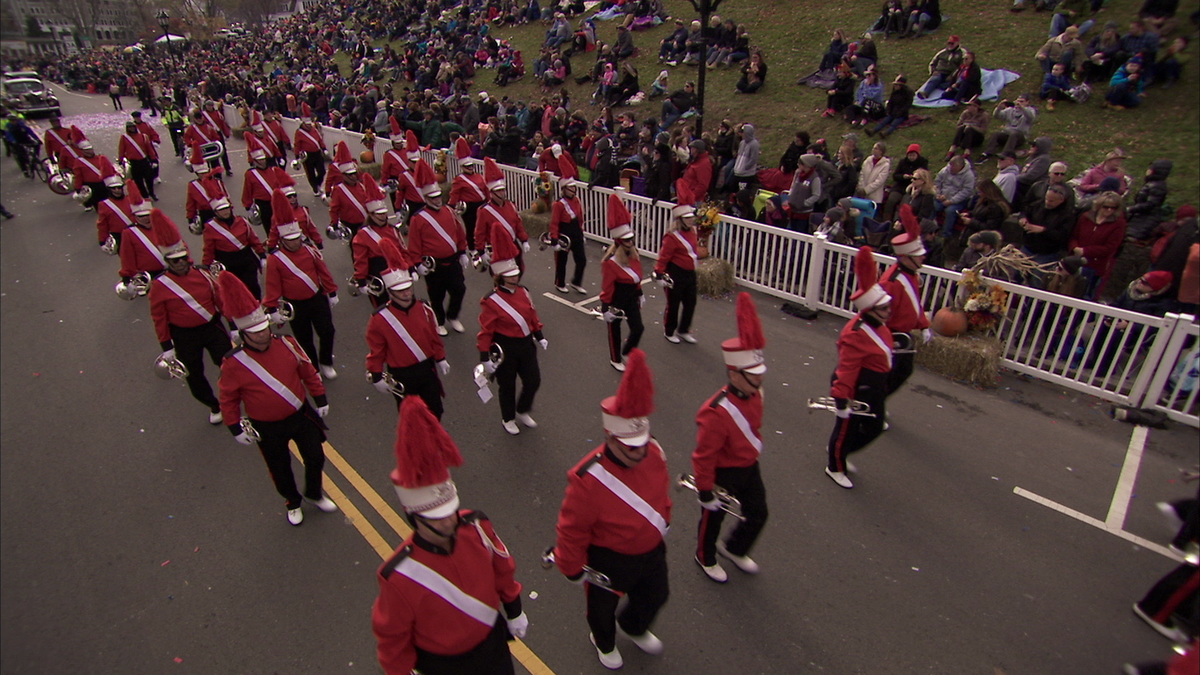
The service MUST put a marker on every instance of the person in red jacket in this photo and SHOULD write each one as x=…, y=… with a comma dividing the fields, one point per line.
x=728, y=444
x=698, y=174
x=1096, y=238
x=402, y=337
x=202, y=192
x=903, y=283
x=677, y=258
x=448, y=600
x=201, y=132
x=229, y=240
x=216, y=121
x=312, y=236
x=621, y=283
x=347, y=196
x=311, y=149
x=864, y=362
x=437, y=232
x=394, y=164
x=468, y=188
x=297, y=273
x=614, y=517
x=114, y=214
x=566, y=218
x=260, y=181
x=90, y=170
x=135, y=147
x=139, y=249
x=499, y=218
x=366, y=247
x=186, y=312
x=268, y=377
x=58, y=143
x=508, y=319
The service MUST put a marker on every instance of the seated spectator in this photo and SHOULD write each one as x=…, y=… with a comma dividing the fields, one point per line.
x=920, y=195
x=902, y=176
x=988, y=213
x=1159, y=15
x=1055, y=86
x=1064, y=49
x=1148, y=294
x=723, y=145
x=969, y=133
x=1127, y=87
x=1018, y=120
x=868, y=100
x=659, y=86
x=862, y=55
x=954, y=185
x=1047, y=226
x=1097, y=236
x=926, y=16
x=804, y=192
x=555, y=75
x=841, y=94
x=678, y=103
x=741, y=46
x=1170, y=62
x=967, y=82
x=847, y=168
x=720, y=41
x=1057, y=175
x=1111, y=167
x=624, y=47
x=874, y=174
x=673, y=48
x=935, y=253
x=559, y=32
x=754, y=74
x=1101, y=53
x=1068, y=278
x=1176, y=251
x=942, y=67
x=627, y=86
x=979, y=246
x=895, y=112
x=837, y=226
x=693, y=46
x=1037, y=165
x=1006, y=177
x=1146, y=211
x=837, y=49
x=1139, y=42
x=1069, y=14
x=893, y=20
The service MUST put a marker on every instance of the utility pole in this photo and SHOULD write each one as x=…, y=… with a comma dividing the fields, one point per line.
x=705, y=8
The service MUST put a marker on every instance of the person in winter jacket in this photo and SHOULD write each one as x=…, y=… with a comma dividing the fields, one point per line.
x=874, y=174
x=868, y=100
x=1111, y=167
x=970, y=130
x=661, y=174
x=1037, y=166
x=1148, y=294
x=699, y=171
x=1037, y=192
x=1006, y=177
x=745, y=165
x=1018, y=118
x=942, y=67
x=895, y=112
x=1127, y=87
x=954, y=185
x=1047, y=227
x=1096, y=238
x=902, y=175
x=1147, y=208
x=804, y=192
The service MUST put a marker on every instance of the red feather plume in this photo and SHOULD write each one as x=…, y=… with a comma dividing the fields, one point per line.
x=236, y=300
x=865, y=268
x=165, y=230
x=281, y=208
x=750, y=331
x=912, y=226
x=424, y=451
x=635, y=395
x=392, y=254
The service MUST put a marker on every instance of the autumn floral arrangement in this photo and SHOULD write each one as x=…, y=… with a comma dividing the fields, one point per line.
x=983, y=300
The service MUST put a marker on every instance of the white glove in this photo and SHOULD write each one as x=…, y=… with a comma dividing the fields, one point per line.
x=169, y=354
x=525, y=246
x=422, y=269
x=544, y=343
x=262, y=263
x=323, y=411
x=382, y=387
x=276, y=318
x=243, y=439
x=489, y=367
x=234, y=336
x=641, y=301
x=927, y=335
x=712, y=505
x=518, y=626
x=843, y=413
x=464, y=260
x=333, y=301
x=443, y=366
x=609, y=317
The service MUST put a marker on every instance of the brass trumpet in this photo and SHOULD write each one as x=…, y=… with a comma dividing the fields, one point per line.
x=169, y=368
x=286, y=311
x=374, y=286
x=138, y=286
x=496, y=357
x=82, y=194
x=828, y=403
x=196, y=226
x=249, y=430
x=216, y=268
x=593, y=576
x=110, y=245
x=339, y=232
x=254, y=215
x=903, y=344
x=396, y=387
x=561, y=244
x=666, y=280
x=729, y=503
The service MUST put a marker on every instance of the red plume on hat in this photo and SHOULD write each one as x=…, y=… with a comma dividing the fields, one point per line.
x=566, y=167
x=77, y=135
x=341, y=153
x=750, y=330
x=133, y=193
x=635, y=395
x=618, y=218
x=462, y=149
x=239, y=304
x=371, y=188
x=426, y=180
x=197, y=156
x=424, y=451
x=504, y=248
x=397, y=134
x=909, y=241
x=392, y=254
x=253, y=146
x=281, y=208
x=305, y=111
x=684, y=200
x=256, y=119
x=165, y=230
x=869, y=293
x=411, y=144
x=492, y=175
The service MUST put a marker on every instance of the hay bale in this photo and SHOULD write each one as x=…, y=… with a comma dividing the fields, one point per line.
x=971, y=358
x=375, y=169
x=536, y=224
x=714, y=277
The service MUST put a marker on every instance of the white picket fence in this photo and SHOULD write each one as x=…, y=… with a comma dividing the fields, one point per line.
x=1123, y=357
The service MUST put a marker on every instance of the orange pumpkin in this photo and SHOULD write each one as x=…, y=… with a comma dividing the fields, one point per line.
x=950, y=322
x=367, y=157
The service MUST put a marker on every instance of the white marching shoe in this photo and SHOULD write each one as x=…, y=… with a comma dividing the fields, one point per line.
x=328, y=372
x=324, y=503
x=840, y=478
x=742, y=562
x=511, y=427
x=611, y=660
x=295, y=516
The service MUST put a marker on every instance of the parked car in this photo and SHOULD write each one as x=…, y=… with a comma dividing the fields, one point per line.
x=29, y=96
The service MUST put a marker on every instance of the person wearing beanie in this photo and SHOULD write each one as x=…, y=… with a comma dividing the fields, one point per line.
x=728, y=444
x=863, y=368
x=677, y=258
x=184, y=308
x=566, y=219
x=229, y=240
x=437, y=232
x=1067, y=278
x=508, y=320
x=268, y=377
x=449, y=601
x=296, y=273
x=1127, y=87
x=499, y=218
x=902, y=175
x=614, y=519
x=311, y=149
x=979, y=246
x=114, y=214
x=139, y=244
x=895, y=110
x=902, y=281
x=621, y=296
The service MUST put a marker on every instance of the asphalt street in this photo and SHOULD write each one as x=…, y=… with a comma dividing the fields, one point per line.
x=137, y=538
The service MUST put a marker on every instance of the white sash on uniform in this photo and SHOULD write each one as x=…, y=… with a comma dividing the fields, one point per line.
x=186, y=297
x=120, y=214
x=263, y=181
x=319, y=142
x=633, y=274
x=404, y=335
x=884, y=347
x=512, y=232
x=83, y=159
x=268, y=379
x=437, y=227
x=475, y=187
x=227, y=234
x=742, y=424
x=511, y=311
x=567, y=207
x=287, y=262
x=137, y=232
x=444, y=589
x=633, y=499
x=910, y=292
x=687, y=245
x=135, y=145
x=354, y=200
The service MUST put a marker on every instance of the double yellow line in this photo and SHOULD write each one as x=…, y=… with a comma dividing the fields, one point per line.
x=524, y=655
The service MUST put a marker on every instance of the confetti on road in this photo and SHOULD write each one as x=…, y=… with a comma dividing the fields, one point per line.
x=165, y=563
x=916, y=569
x=533, y=595
x=178, y=660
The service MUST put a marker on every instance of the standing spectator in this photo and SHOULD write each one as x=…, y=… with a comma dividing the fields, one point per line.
x=954, y=185
x=874, y=174
x=791, y=157
x=114, y=93
x=969, y=133
x=895, y=112
x=745, y=166
x=754, y=74
x=1097, y=235
x=804, y=192
x=725, y=143
x=1006, y=177
x=699, y=172
x=1018, y=120
x=942, y=67
x=661, y=173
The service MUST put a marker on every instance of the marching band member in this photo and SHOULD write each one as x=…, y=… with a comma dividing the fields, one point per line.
x=203, y=190
x=402, y=336
x=509, y=319
x=135, y=147
x=410, y=190
x=202, y=132
x=273, y=129
x=621, y=284
x=448, y=600
x=90, y=169
x=216, y=120
x=365, y=247
x=347, y=197
x=310, y=146
x=148, y=131
x=437, y=232
x=260, y=181
x=268, y=376
x=394, y=164
x=677, y=257
x=258, y=129
x=499, y=217
x=903, y=283
x=186, y=312
x=728, y=443
x=296, y=272
x=614, y=518
x=229, y=239
x=864, y=361
x=58, y=143
x=312, y=236
x=139, y=250
x=468, y=188
x=114, y=214
x=566, y=217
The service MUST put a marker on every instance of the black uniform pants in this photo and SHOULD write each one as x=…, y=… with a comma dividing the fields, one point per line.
x=446, y=278
x=143, y=176
x=303, y=428
x=264, y=211
x=633, y=315
x=745, y=483
x=643, y=580
x=469, y=217
x=99, y=193
x=421, y=379
x=902, y=368
x=244, y=263
x=225, y=156
x=190, y=345
x=520, y=360
x=1175, y=594
x=857, y=431
x=177, y=140
x=681, y=300
x=578, y=251
x=309, y=315
x=490, y=657
x=314, y=169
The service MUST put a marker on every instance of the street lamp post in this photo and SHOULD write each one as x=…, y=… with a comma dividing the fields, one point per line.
x=164, y=22
x=705, y=8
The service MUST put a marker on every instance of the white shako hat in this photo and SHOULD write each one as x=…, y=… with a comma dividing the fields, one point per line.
x=238, y=304
x=870, y=293
x=424, y=455
x=745, y=352
x=396, y=277
x=909, y=241
x=627, y=415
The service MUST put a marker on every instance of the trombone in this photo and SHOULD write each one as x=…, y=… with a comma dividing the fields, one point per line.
x=394, y=386
x=828, y=403
x=592, y=576
x=729, y=504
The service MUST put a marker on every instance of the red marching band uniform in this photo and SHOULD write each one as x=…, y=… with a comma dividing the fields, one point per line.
x=365, y=247
x=508, y=319
x=677, y=257
x=347, y=203
x=139, y=245
x=438, y=234
x=467, y=188
x=231, y=241
x=203, y=190
x=902, y=282
x=566, y=217
x=621, y=283
x=499, y=221
x=301, y=216
x=114, y=214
